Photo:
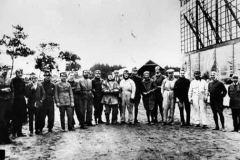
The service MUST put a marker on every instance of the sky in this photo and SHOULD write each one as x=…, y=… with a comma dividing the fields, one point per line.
x=121, y=32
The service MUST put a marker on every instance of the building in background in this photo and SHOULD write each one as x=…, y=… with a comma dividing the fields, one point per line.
x=210, y=36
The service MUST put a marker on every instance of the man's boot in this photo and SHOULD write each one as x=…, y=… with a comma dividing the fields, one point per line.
x=82, y=126
x=96, y=120
x=107, y=119
x=100, y=121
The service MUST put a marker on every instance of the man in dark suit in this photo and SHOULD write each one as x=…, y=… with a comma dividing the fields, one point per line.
x=36, y=95
x=181, y=93
x=137, y=80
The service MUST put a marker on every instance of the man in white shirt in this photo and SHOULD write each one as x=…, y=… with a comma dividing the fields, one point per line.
x=197, y=96
x=128, y=89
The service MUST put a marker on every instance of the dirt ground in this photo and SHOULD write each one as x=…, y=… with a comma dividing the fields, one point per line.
x=126, y=142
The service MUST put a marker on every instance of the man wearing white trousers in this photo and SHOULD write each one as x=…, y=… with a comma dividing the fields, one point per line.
x=167, y=91
x=128, y=89
x=197, y=95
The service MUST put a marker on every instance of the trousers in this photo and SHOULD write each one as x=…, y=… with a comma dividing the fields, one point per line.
x=126, y=95
x=199, y=110
x=168, y=104
x=114, y=109
x=86, y=110
x=69, y=111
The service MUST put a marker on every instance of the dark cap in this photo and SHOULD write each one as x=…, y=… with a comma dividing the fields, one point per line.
x=47, y=74
x=63, y=74
x=19, y=70
x=197, y=72
x=126, y=71
x=134, y=69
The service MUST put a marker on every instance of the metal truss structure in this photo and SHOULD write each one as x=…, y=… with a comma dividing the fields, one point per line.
x=207, y=23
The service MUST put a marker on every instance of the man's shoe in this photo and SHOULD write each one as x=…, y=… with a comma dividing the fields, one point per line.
x=216, y=129
x=100, y=122
x=37, y=132
x=136, y=121
x=130, y=123
x=31, y=134
x=71, y=129
x=14, y=136
x=90, y=124
x=50, y=130
x=205, y=127
x=83, y=127
x=223, y=130
x=182, y=124
x=234, y=130
x=21, y=135
x=197, y=125
x=8, y=141
x=123, y=122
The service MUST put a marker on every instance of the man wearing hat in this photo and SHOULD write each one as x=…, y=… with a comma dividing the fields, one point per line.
x=234, y=94
x=97, y=92
x=128, y=89
x=19, y=103
x=148, y=88
x=86, y=98
x=48, y=102
x=65, y=101
x=5, y=106
x=137, y=80
x=197, y=95
x=36, y=95
x=167, y=91
x=158, y=79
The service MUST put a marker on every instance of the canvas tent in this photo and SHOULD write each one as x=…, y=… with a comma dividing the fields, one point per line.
x=149, y=66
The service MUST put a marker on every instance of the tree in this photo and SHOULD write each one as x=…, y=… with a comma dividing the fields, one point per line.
x=71, y=60
x=14, y=45
x=45, y=61
x=105, y=68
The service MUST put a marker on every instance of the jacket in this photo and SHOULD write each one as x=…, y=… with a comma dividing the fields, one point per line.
x=181, y=89
x=216, y=89
x=137, y=80
x=198, y=88
x=35, y=95
x=128, y=86
x=64, y=94
x=234, y=94
x=110, y=92
x=5, y=84
x=76, y=91
x=86, y=89
x=97, y=89
x=148, y=86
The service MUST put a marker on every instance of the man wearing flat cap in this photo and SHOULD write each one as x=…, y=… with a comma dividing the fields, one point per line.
x=19, y=103
x=167, y=91
x=5, y=106
x=197, y=95
x=234, y=94
x=138, y=81
x=48, y=102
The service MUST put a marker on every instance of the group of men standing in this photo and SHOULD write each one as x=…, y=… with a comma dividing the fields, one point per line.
x=116, y=94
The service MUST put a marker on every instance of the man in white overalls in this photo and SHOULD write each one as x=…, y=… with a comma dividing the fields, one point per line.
x=197, y=95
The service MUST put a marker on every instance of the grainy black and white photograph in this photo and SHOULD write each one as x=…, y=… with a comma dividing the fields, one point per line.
x=119, y=80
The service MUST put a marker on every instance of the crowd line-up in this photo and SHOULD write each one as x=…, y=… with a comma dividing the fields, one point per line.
x=116, y=94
